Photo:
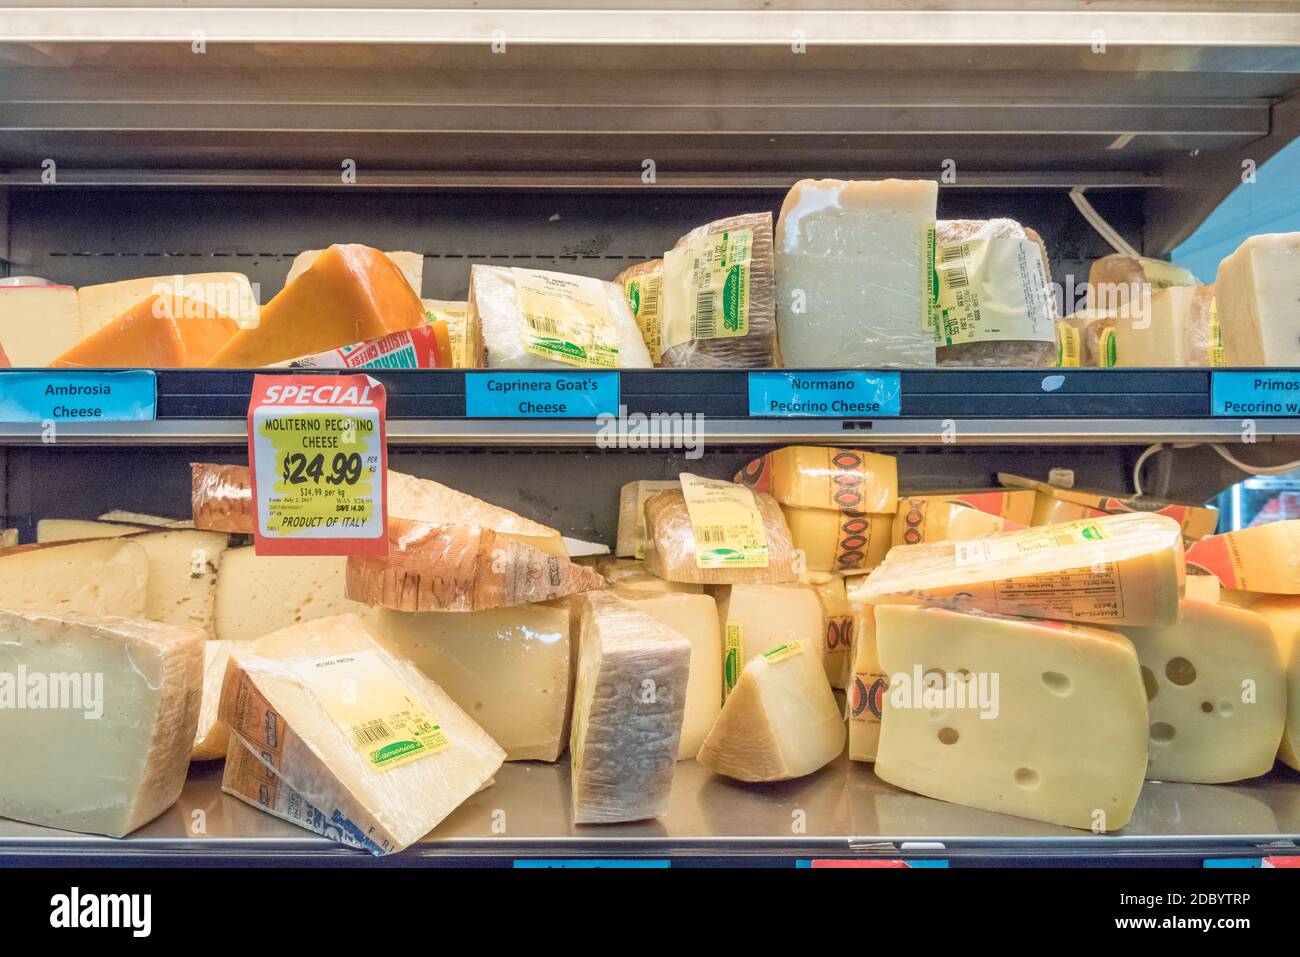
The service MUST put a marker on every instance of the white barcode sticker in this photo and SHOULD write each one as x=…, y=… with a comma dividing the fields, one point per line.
x=566, y=318
x=725, y=523
x=706, y=287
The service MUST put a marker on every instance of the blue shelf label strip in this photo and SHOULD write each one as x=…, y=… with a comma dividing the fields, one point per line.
x=541, y=395
x=827, y=395
x=1246, y=394
x=73, y=396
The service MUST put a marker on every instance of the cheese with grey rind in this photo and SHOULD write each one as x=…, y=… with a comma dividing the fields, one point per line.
x=113, y=754
x=106, y=576
x=628, y=708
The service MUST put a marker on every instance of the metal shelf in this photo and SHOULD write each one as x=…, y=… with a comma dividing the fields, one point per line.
x=842, y=810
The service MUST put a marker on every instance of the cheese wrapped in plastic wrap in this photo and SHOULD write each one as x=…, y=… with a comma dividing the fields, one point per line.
x=1114, y=569
x=644, y=285
x=719, y=278
x=631, y=515
x=1096, y=331
x=1262, y=559
x=461, y=568
x=629, y=704
x=1171, y=331
x=213, y=738
x=222, y=498
x=106, y=752
x=780, y=722
x=1013, y=289
x=563, y=309
x=1121, y=283
x=377, y=748
x=671, y=547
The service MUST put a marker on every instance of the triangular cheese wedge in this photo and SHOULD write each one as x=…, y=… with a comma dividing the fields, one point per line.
x=227, y=293
x=779, y=722
x=349, y=294
x=462, y=568
x=160, y=332
x=411, y=265
x=327, y=708
x=430, y=502
x=103, y=576
x=213, y=739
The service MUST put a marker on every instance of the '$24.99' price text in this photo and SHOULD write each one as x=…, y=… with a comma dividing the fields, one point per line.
x=345, y=469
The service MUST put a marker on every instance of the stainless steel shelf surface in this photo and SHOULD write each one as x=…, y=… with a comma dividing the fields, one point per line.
x=843, y=809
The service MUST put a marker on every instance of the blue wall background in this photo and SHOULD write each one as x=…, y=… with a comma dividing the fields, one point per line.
x=1269, y=205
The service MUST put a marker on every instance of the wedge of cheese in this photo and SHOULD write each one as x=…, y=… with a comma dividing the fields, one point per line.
x=671, y=547
x=160, y=332
x=508, y=668
x=1116, y=569
x=259, y=594
x=1065, y=737
x=1282, y=612
x=628, y=708
x=38, y=323
x=222, y=293
x=349, y=294
x=852, y=259
x=1124, y=285
x=1263, y=558
x=780, y=721
x=97, y=577
x=757, y=618
x=213, y=738
x=71, y=529
x=869, y=688
x=961, y=516
x=527, y=318
x=121, y=516
x=461, y=568
x=361, y=735
x=222, y=498
x=1257, y=295
x=696, y=618
x=811, y=476
x=411, y=265
x=838, y=629
x=631, y=515
x=100, y=741
x=1216, y=694
x=645, y=585
x=1172, y=332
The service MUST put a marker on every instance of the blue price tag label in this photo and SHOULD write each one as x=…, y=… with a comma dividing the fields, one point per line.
x=1270, y=394
x=541, y=395
x=831, y=395
x=75, y=396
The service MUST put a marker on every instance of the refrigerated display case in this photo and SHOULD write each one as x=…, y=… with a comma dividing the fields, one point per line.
x=145, y=140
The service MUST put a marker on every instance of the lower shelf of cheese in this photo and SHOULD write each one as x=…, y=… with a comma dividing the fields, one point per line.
x=844, y=807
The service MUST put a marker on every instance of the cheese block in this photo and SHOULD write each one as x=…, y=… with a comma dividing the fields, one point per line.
x=1116, y=569
x=1201, y=587
x=586, y=320
x=1065, y=740
x=960, y=516
x=424, y=500
x=159, y=333
x=259, y=594
x=1216, y=694
x=349, y=294
x=222, y=498
x=839, y=541
x=837, y=656
x=696, y=618
x=757, y=618
x=38, y=323
x=1124, y=284
x=996, y=307
x=410, y=264
x=121, y=516
x=868, y=689
x=670, y=544
x=362, y=735
x=455, y=314
x=1257, y=295
x=719, y=297
x=508, y=668
x=852, y=263
x=461, y=568
x=1264, y=558
x=95, y=577
x=631, y=515
x=644, y=283
x=780, y=721
x=643, y=584
x=628, y=707
x=813, y=476
x=1282, y=612
x=223, y=293
x=71, y=529
x=213, y=738
x=97, y=716
x=1172, y=332
x=8, y=537
x=1054, y=504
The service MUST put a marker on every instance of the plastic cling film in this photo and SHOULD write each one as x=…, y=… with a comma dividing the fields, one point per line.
x=725, y=524
x=671, y=546
x=644, y=283
x=1000, y=548
x=222, y=498
x=566, y=318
